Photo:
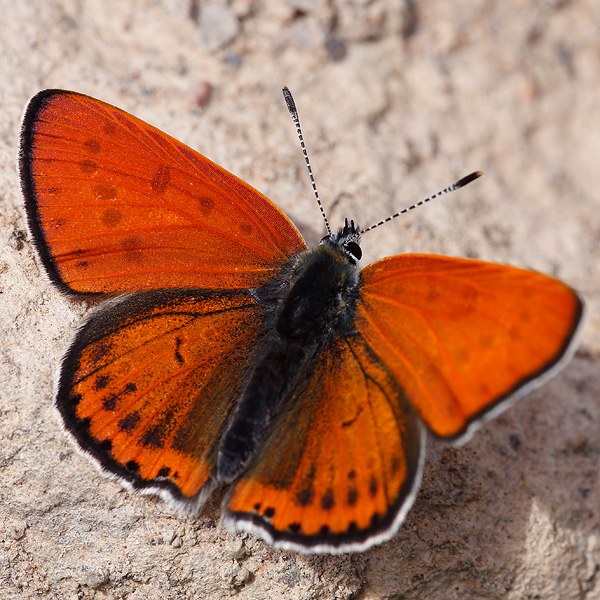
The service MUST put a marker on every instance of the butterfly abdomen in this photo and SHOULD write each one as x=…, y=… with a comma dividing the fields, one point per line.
x=318, y=304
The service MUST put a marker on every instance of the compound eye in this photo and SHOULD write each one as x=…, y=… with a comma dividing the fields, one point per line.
x=324, y=238
x=354, y=249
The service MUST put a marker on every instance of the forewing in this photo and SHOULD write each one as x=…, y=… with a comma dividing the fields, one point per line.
x=116, y=205
x=462, y=336
x=342, y=463
x=147, y=387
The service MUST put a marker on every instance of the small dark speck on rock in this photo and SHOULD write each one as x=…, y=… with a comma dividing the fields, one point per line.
x=336, y=48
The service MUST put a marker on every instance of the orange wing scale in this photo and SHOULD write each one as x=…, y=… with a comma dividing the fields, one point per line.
x=351, y=462
x=461, y=335
x=116, y=205
x=150, y=382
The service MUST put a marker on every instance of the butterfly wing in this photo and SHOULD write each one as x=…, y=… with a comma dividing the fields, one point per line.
x=342, y=463
x=116, y=205
x=149, y=382
x=462, y=336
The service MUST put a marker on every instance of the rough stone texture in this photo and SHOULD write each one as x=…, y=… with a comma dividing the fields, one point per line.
x=397, y=99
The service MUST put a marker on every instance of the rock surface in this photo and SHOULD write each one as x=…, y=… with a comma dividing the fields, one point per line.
x=397, y=99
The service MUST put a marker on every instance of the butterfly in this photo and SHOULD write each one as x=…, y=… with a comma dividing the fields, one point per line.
x=224, y=352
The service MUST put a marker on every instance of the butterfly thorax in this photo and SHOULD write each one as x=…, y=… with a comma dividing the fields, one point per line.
x=321, y=300
x=315, y=293
x=311, y=302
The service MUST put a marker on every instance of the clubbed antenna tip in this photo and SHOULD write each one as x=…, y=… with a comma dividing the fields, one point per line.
x=289, y=100
x=466, y=180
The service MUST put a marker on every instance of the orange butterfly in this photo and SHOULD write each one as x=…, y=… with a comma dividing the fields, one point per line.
x=227, y=352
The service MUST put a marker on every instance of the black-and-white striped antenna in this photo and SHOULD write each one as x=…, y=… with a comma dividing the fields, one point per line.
x=455, y=186
x=289, y=100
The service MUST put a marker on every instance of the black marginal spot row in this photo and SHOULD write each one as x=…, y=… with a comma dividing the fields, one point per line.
x=379, y=523
x=67, y=402
x=397, y=461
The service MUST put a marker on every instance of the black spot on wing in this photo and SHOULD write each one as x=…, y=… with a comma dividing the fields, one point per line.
x=129, y=422
x=164, y=472
x=306, y=496
x=352, y=497
x=328, y=500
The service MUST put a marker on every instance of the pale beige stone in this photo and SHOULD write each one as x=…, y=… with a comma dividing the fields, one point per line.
x=422, y=94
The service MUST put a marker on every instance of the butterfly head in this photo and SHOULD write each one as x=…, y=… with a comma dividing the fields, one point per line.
x=346, y=241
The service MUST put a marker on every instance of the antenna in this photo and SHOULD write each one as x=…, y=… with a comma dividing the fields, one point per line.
x=289, y=100
x=455, y=186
